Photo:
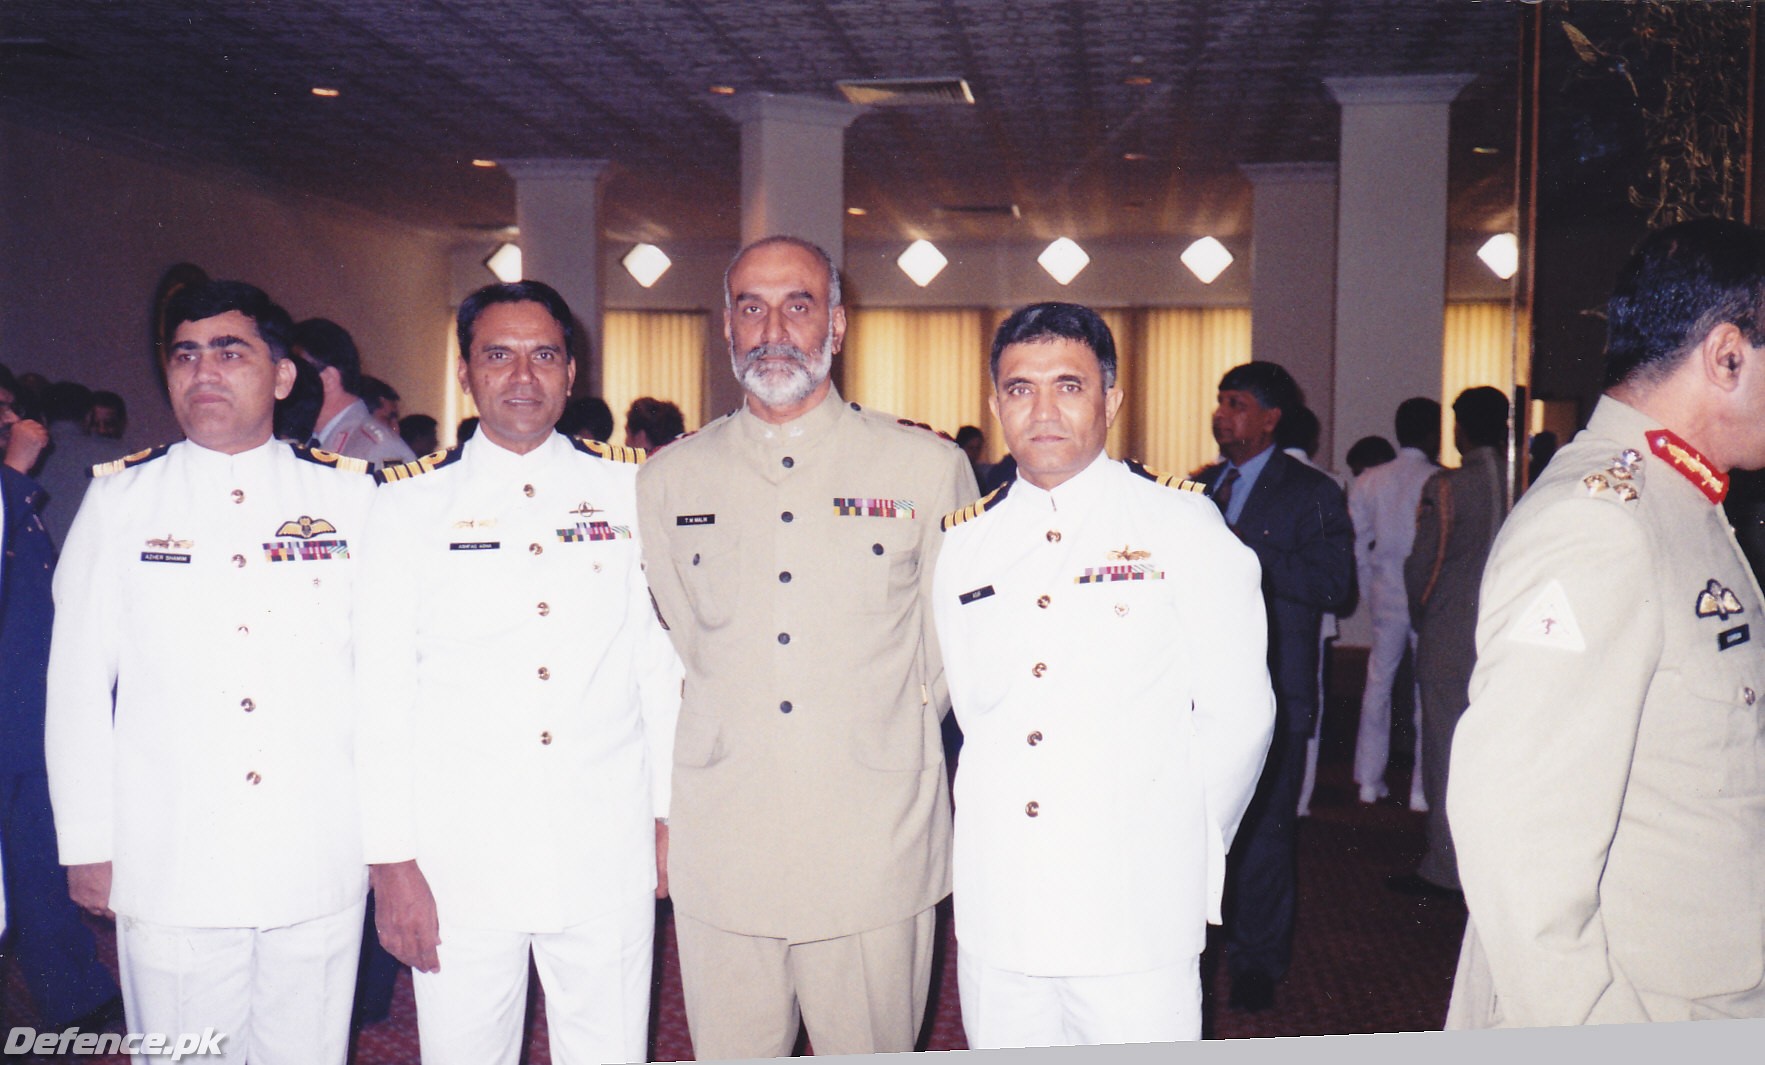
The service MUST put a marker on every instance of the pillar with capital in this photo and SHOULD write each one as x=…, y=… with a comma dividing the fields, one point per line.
x=557, y=210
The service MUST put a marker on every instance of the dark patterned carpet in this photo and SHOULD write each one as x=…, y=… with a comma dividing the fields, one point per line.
x=1365, y=960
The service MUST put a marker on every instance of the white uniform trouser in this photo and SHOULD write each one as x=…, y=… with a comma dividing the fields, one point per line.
x=1002, y=1009
x=1372, y=748
x=280, y=996
x=596, y=977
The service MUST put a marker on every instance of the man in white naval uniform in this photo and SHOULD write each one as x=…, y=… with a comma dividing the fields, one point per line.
x=1382, y=504
x=1607, y=792
x=1105, y=640
x=518, y=703
x=208, y=583
x=345, y=425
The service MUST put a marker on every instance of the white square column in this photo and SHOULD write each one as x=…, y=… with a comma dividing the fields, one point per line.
x=557, y=209
x=1390, y=248
x=794, y=168
x=1293, y=279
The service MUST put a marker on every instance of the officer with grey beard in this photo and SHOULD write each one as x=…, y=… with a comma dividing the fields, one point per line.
x=790, y=549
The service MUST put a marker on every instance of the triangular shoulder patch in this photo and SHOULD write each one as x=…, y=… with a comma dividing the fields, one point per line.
x=1169, y=480
x=330, y=458
x=105, y=469
x=977, y=508
x=429, y=463
x=612, y=452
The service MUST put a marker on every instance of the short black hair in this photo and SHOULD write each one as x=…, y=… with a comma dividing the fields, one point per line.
x=205, y=300
x=1482, y=412
x=1369, y=451
x=329, y=344
x=1269, y=382
x=1418, y=423
x=969, y=432
x=67, y=401
x=1046, y=322
x=659, y=421
x=1299, y=428
x=1682, y=282
x=375, y=391
x=588, y=416
x=112, y=400
x=514, y=292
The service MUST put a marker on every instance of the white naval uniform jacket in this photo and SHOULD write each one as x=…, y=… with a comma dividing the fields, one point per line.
x=1106, y=646
x=1607, y=792
x=518, y=695
x=214, y=592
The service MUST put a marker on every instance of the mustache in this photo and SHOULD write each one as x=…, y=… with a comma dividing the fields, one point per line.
x=775, y=351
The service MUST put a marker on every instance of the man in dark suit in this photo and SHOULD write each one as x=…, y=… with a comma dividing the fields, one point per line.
x=1296, y=520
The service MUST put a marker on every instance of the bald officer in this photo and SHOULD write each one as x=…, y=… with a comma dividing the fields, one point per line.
x=1607, y=792
x=211, y=802
x=789, y=546
x=518, y=702
x=1107, y=651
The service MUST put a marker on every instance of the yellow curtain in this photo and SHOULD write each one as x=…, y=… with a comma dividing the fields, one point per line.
x=653, y=353
x=925, y=365
x=1181, y=354
x=1477, y=350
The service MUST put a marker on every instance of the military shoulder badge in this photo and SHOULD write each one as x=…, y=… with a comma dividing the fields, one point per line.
x=612, y=452
x=977, y=508
x=919, y=425
x=1692, y=466
x=1620, y=477
x=330, y=458
x=1168, y=480
x=429, y=463
x=105, y=469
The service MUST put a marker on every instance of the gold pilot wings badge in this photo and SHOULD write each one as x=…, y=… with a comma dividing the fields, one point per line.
x=1717, y=602
x=302, y=544
x=1124, y=553
x=1548, y=622
x=167, y=548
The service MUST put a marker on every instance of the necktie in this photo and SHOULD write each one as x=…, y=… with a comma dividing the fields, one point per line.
x=1222, y=493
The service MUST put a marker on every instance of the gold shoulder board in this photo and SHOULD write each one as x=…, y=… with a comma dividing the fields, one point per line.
x=613, y=452
x=1168, y=480
x=976, y=508
x=330, y=458
x=105, y=469
x=429, y=463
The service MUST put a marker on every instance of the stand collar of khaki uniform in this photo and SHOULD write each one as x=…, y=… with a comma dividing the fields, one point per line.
x=799, y=433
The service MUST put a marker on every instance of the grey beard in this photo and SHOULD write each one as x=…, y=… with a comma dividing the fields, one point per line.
x=782, y=386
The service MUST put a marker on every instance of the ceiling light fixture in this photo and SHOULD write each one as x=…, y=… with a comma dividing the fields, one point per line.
x=1135, y=157
x=1138, y=80
x=1484, y=149
x=646, y=263
x=485, y=163
x=723, y=90
x=1501, y=253
x=505, y=263
x=1064, y=260
x=856, y=212
x=1207, y=258
x=321, y=91
x=922, y=262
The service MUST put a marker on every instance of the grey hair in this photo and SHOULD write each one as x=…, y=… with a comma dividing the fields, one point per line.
x=833, y=272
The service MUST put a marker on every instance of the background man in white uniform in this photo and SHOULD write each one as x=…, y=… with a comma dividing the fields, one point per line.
x=1106, y=645
x=1382, y=504
x=518, y=700
x=208, y=583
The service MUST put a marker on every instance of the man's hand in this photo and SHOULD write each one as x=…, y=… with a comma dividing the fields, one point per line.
x=404, y=914
x=661, y=859
x=29, y=439
x=89, y=885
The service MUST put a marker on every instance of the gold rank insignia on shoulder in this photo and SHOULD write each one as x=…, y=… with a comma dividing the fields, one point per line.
x=614, y=452
x=977, y=508
x=429, y=463
x=330, y=458
x=105, y=469
x=1168, y=480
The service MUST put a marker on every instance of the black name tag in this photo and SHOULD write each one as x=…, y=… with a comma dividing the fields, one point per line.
x=1732, y=637
x=476, y=545
x=162, y=556
x=975, y=596
x=696, y=519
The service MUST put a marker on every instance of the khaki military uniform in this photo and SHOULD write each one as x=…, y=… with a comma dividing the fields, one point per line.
x=792, y=566
x=1607, y=791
